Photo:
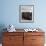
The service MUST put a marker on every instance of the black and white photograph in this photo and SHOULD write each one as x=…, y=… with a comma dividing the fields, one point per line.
x=26, y=13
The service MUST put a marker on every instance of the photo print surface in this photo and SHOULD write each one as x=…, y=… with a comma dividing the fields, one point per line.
x=26, y=13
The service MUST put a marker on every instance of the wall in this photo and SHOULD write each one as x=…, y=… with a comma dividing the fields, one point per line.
x=9, y=13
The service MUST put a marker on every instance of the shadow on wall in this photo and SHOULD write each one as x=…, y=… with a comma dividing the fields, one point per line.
x=2, y=26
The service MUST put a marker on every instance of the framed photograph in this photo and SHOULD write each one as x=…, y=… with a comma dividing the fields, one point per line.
x=26, y=13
